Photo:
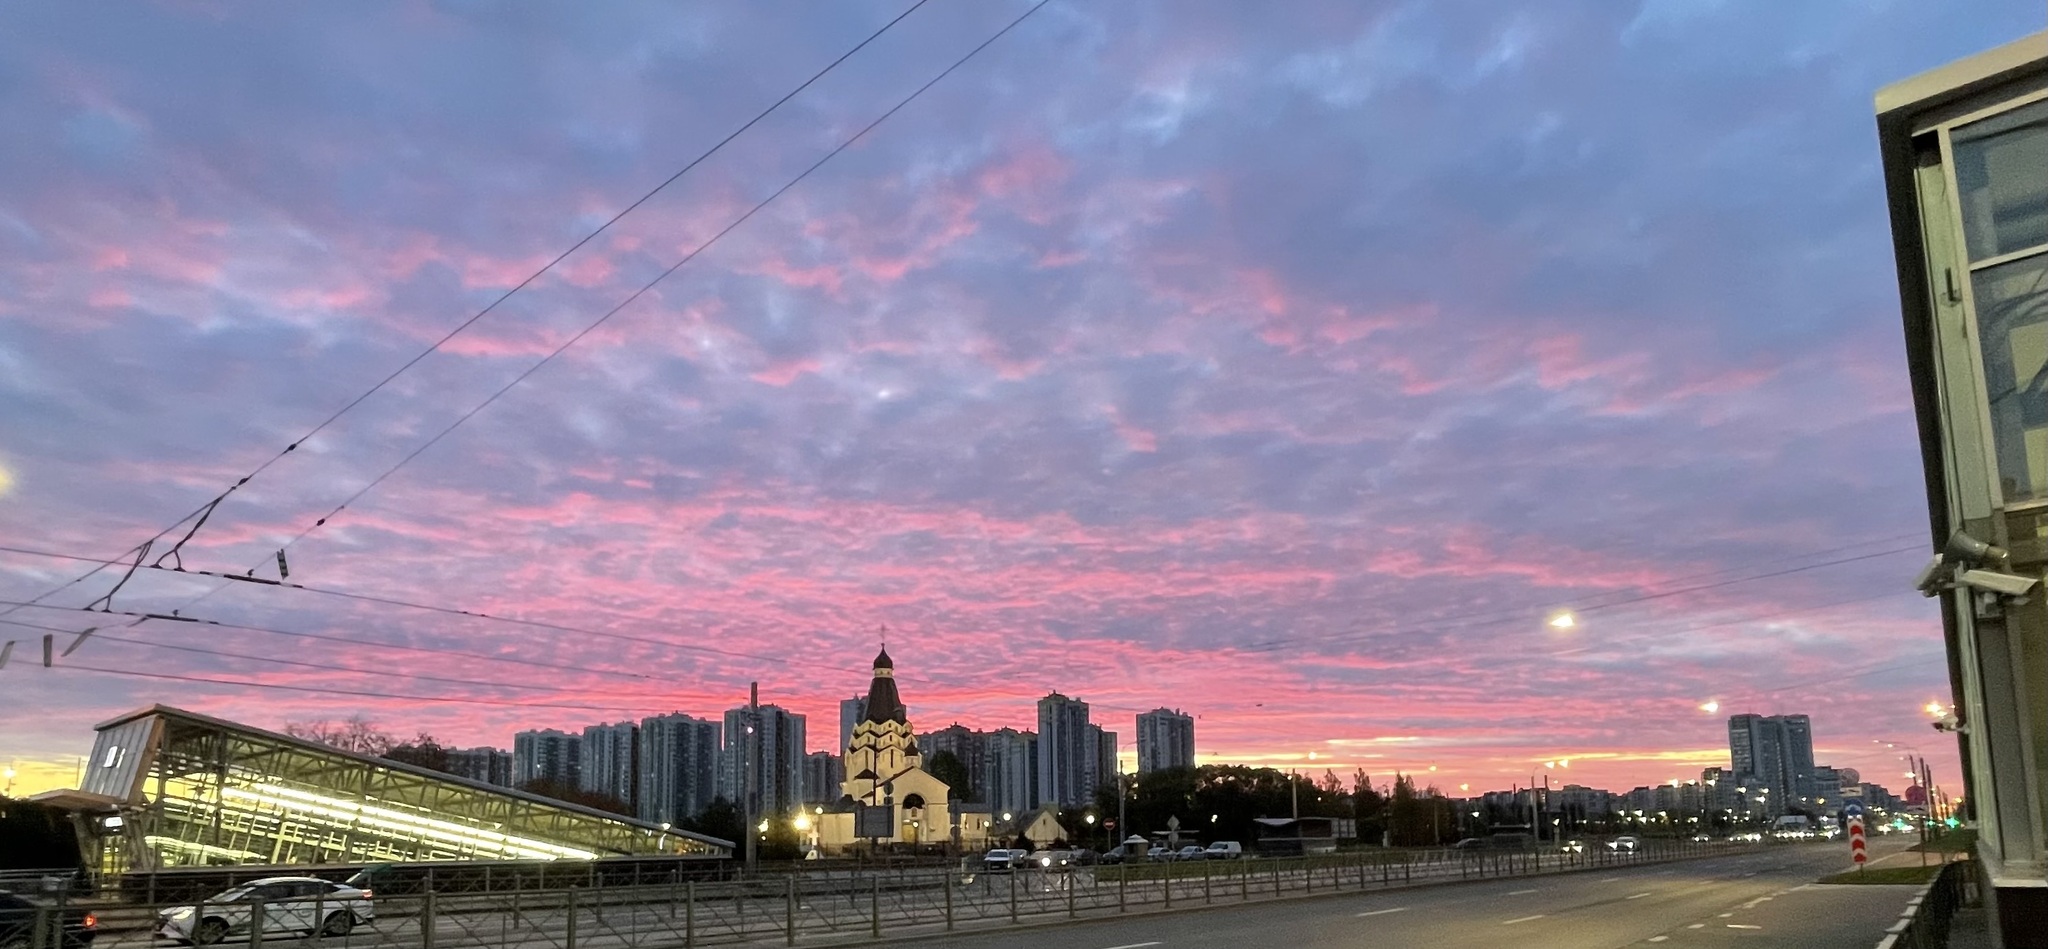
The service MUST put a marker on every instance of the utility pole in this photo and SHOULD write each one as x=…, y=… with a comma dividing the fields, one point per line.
x=1294, y=792
x=750, y=754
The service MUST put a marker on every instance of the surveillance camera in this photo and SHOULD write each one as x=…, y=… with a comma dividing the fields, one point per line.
x=1968, y=550
x=1929, y=581
x=2007, y=584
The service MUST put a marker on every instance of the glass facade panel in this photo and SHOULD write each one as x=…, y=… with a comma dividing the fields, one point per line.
x=2002, y=169
x=2012, y=321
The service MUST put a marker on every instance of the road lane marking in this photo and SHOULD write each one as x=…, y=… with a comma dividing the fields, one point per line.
x=1524, y=919
x=1742, y=926
x=1383, y=912
x=1611, y=880
x=1659, y=938
x=1639, y=896
x=1520, y=892
x=1726, y=915
x=1137, y=945
x=1697, y=926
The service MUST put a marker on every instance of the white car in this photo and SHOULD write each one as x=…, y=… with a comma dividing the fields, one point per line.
x=1628, y=844
x=291, y=905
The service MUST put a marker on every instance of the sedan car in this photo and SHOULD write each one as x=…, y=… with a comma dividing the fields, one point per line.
x=1625, y=844
x=1003, y=860
x=18, y=922
x=290, y=905
x=1572, y=846
x=1051, y=860
x=1192, y=852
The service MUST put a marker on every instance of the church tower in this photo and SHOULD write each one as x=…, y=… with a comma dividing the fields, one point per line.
x=884, y=767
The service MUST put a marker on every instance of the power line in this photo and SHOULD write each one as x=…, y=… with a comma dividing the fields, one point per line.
x=346, y=641
x=201, y=513
x=637, y=294
x=360, y=693
x=300, y=663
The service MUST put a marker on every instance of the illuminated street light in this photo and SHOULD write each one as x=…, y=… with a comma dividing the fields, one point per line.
x=803, y=821
x=1710, y=706
x=1936, y=709
x=1563, y=621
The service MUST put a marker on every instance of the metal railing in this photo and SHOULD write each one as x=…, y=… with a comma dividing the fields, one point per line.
x=829, y=904
x=1925, y=923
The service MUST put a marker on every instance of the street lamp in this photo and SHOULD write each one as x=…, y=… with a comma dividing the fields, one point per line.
x=1710, y=706
x=1563, y=620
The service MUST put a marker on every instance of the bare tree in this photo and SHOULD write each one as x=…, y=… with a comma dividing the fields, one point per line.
x=354, y=734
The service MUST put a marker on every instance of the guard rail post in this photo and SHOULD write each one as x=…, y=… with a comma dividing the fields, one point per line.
x=256, y=919
x=789, y=912
x=690, y=914
x=1208, y=887
x=570, y=939
x=1123, y=876
x=875, y=906
x=1013, y=895
x=949, y=902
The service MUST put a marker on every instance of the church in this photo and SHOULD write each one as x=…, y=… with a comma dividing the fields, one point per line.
x=888, y=797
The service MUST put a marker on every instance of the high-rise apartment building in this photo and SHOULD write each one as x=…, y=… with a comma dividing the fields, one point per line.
x=610, y=761
x=482, y=763
x=1166, y=739
x=851, y=711
x=823, y=772
x=1066, y=755
x=555, y=757
x=1101, y=764
x=966, y=744
x=678, y=767
x=1009, y=781
x=1772, y=757
x=769, y=745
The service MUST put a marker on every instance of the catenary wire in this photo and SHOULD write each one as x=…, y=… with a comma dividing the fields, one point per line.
x=205, y=509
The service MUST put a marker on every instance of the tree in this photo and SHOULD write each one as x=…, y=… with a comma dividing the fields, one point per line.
x=720, y=819
x=423, y=751
x=561, y=791
x=949, y=769
x=355, y=734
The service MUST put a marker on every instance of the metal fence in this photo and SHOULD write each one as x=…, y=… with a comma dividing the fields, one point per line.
x=830, y=905
x=1926, y=921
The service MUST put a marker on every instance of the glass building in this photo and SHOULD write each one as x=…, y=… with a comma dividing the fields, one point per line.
x=192, y=790
x=1965, y=151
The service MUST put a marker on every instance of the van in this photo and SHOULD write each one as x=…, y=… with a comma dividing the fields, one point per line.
x=1225, y=850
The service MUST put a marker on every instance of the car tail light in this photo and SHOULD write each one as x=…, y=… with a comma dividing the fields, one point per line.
x=367, y=894
x=91, y=921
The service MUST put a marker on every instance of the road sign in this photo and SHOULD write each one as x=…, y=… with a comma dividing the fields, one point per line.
x=1856, y=845
x=1109, y=824
x=1852, y=810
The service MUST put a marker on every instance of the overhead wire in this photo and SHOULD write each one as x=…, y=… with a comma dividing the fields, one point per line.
x=758, y=206
x=200, y=514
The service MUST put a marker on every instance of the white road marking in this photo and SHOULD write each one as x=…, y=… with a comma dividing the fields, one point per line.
x=1659, y=938
x=1520, y=892
x=1137, y=945
x=1697, y=926
x=1611, y=880
x=1383, y=912
x=1639, y=896
x=1726, y=915
x=1742, y=926
x=1524, y=919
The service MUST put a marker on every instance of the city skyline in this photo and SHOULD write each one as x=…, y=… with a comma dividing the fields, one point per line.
x=1141, y=360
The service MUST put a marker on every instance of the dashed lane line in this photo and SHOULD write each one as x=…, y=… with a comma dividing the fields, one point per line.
x=1742, y=926
x=1659, y=938
x=1639, y=896
x=1137, y=945
x=1520, y=892
x=1524, y=919
x=1382, y=912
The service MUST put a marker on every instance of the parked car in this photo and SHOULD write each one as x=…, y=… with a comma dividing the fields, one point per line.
x=1625, y=844
x=1470, y=843
x=18, y=922
x=1159, y=853
x=1572, y=846
x=1003, y=860
x=291, y=905
x=1085, y=857
x=1225, y=850
x=1192, y=852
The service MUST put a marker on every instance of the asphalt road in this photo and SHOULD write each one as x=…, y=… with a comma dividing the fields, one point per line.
x=1747, y=901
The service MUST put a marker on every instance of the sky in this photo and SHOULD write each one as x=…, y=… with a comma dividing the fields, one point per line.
x=1290, y=365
